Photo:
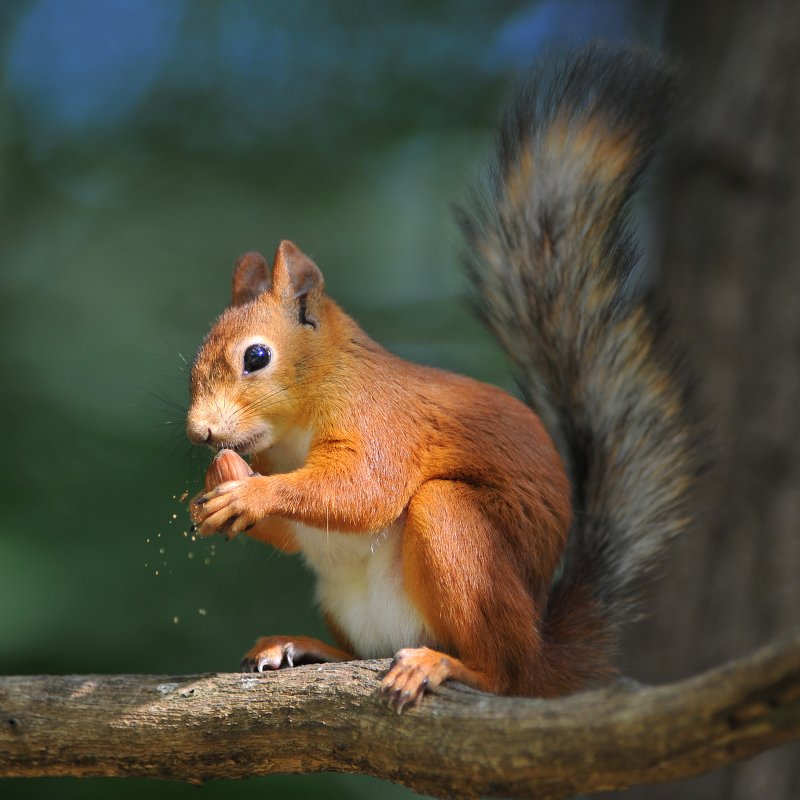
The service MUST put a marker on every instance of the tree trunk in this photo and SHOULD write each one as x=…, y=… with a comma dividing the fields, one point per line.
x=731, y=265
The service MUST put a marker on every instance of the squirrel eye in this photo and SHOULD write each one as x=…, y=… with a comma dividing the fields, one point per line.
x=256, y=357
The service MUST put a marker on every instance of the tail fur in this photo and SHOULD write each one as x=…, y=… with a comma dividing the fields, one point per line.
x=550, y=256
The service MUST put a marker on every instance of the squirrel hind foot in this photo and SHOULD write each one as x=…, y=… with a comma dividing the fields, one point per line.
x=416, y=671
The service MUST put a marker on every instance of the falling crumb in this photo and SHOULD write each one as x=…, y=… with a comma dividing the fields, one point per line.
x=156, y=572
x=202, y=612
x=190, y=554
x=183, y=497
x=185, y=534
x=147, y=540
x=162, y=550
x=207, y=561
x=175, y=620
x=174, y=516
x=158, y=535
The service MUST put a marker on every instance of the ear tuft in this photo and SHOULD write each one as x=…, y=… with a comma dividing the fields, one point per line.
x=298, y=282
x=250, y=278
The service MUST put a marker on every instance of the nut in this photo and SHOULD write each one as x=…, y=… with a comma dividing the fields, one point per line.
x=226, y=466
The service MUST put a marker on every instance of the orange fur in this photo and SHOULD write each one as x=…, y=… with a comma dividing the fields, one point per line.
x=274, y=652
x=471, y=471
x=276, y=532
x=271, y=530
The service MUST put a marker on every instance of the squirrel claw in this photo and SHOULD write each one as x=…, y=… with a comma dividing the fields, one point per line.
x=406, y=682
x=269, y=656
x=261, y=664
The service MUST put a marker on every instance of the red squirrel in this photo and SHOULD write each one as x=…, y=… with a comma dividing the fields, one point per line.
x=444, y=526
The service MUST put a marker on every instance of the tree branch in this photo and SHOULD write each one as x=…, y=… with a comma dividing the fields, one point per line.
x=458, y=744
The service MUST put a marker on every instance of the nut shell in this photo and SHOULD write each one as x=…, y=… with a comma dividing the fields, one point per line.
x=226, y=466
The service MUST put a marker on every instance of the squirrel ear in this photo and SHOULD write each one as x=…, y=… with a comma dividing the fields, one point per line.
x=298, y=282
x=250, y=278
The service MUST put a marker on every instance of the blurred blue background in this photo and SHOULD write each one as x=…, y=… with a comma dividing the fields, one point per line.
x=143, y=146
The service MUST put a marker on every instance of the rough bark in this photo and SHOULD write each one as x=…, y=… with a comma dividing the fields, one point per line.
x=459, y=744
x=731, y=263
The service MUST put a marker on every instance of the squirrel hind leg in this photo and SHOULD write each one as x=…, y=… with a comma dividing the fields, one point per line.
x=277, y=652
x=470, y=589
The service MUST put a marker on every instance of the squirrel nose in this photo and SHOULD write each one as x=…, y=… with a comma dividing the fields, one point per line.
x=199, y=432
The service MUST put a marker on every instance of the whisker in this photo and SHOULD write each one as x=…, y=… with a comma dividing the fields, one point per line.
x=166, y=423
x=261, y=401
x=157, y=409
x=162, y=397
x=177, y=351
x=237, y=409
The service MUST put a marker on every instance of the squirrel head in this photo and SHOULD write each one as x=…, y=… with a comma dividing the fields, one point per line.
x=248, y=381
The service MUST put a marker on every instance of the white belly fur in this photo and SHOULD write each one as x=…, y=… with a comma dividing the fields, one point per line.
x=359, y=576
x=360, y=584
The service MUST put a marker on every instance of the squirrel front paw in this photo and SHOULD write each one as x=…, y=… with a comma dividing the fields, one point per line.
x=269, y=652
x=226, y=469
x=276, y=652
x=230, y=508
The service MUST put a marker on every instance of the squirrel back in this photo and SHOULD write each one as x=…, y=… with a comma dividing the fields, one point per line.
x=550, y=258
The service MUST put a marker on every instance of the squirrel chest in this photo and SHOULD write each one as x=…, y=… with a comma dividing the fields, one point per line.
x=359, y=578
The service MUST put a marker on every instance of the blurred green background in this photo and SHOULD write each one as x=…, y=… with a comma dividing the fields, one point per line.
x=143, y=146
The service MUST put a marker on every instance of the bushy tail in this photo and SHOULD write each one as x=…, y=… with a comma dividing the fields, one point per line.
x=550, y=258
